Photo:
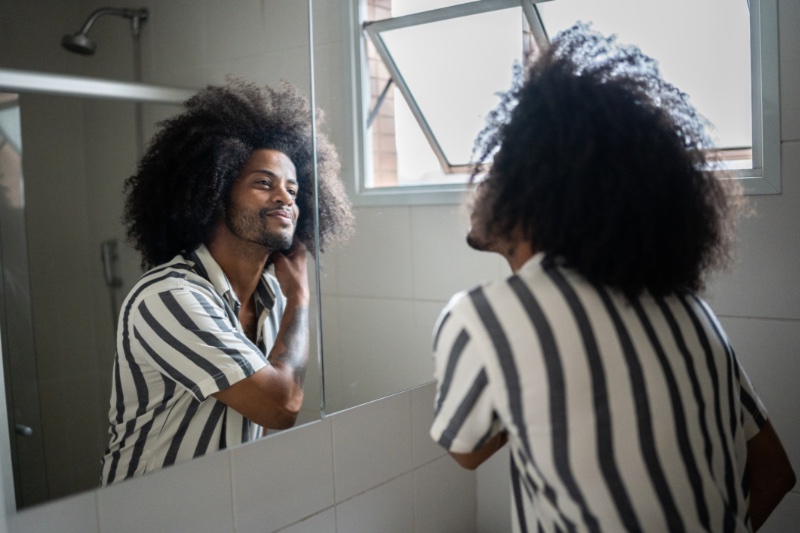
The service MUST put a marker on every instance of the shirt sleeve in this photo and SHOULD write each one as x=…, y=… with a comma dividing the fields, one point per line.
x=464, y=414
x=754, y=414
x=187, y=335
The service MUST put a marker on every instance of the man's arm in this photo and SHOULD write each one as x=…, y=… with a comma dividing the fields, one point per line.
x=272, y=397
x=473, y=460
x=770, y=474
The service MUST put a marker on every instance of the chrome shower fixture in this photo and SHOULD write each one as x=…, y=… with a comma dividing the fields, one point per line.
x=80, y=42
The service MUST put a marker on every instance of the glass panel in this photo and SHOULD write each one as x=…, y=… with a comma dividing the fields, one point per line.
x=703, y=47
x=448, y=70
x=416, y=162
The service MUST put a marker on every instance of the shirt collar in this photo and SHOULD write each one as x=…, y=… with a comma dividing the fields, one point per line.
x=210, y=269
x=532, y=263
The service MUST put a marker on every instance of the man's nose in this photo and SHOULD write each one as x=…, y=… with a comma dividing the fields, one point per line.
x=282, y=196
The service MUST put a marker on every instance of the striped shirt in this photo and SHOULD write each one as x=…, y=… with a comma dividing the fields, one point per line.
x=179, y=341
x=622, y=415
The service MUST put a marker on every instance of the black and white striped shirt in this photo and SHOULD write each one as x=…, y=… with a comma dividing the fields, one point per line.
x=621, y=414
x=179, y=340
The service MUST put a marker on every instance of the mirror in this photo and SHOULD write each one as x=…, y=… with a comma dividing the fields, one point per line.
x=63, y=248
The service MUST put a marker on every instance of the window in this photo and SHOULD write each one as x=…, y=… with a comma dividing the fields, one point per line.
x=425, y=67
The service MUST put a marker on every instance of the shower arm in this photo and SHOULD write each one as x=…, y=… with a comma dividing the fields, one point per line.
x=136, y=16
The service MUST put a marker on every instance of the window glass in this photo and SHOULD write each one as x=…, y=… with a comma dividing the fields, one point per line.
x=435, y=74
x=453, y=68
x=701, y=47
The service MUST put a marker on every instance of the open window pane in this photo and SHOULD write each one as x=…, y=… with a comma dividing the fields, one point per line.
x=455, y=65
x=416, y=162
x=702, y=47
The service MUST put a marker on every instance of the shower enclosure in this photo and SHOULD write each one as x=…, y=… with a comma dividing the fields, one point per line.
x=66, y=146
x=71, y=158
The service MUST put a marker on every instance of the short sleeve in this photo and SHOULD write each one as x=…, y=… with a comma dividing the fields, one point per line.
x=464, y=415
x=187, y=335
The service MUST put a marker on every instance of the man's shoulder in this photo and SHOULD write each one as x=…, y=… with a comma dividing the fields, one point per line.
x=177, y=274
x=534, y=280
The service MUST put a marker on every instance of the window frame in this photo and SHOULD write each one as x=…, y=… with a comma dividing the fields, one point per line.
x=764, y=176
x=374, y=30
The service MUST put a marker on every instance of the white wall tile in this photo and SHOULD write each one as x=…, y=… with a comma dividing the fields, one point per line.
x=788, y=20
x=265, y=69
x=388, y=508
x=443, y=262
x=444, y=498
x=78, y=514
x=171, y=39
x=190, y=496
x=284, y=23
x=768, y=351
x=329, y=271
x=333, y=374
x=371, y=445
x=280, y=480
x=377, y=262
x=324, y=522
x=73, y=457
x=423, y=449
x=786, y=517
x=332, y=75
x=331, y=18
x=494, y=493
x=763, y=282
x=376, y=349
x=425, y=316
x=244, y=28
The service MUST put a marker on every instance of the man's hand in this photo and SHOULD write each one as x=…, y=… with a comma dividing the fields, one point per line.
x=273, y=396
x=291, y=271
x=473, y=460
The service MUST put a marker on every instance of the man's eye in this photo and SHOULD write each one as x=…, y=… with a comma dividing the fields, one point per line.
x=293, y=192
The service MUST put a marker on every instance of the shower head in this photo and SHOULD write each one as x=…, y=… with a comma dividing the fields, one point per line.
x=80, y=42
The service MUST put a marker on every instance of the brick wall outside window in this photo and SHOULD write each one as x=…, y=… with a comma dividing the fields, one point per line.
x=384, y=146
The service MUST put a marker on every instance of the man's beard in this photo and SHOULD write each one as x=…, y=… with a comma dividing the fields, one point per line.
x=253, y=228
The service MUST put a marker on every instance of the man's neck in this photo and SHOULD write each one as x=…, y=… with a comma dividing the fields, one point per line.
x=242, y=263
x=517, y=254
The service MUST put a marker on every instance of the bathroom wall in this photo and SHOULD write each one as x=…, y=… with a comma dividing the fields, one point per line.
x=380, y=308
x=371, y=468
x=759, y=300
x=367, y=469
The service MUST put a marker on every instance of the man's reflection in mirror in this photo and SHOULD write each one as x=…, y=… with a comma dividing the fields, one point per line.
x=212, y=342
x=597, y=361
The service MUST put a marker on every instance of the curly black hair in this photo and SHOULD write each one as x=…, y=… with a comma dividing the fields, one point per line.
x=599, y=161
x=183, y=181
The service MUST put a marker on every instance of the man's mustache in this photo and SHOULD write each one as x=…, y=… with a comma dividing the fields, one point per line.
x=285, y=210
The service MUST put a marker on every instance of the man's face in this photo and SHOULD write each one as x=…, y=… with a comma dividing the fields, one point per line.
x=262, y=208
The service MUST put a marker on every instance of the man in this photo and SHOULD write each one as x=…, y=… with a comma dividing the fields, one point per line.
x=210, y=347
x=614, y=383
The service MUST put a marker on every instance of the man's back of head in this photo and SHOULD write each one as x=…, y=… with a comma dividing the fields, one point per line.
x=604, y=164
